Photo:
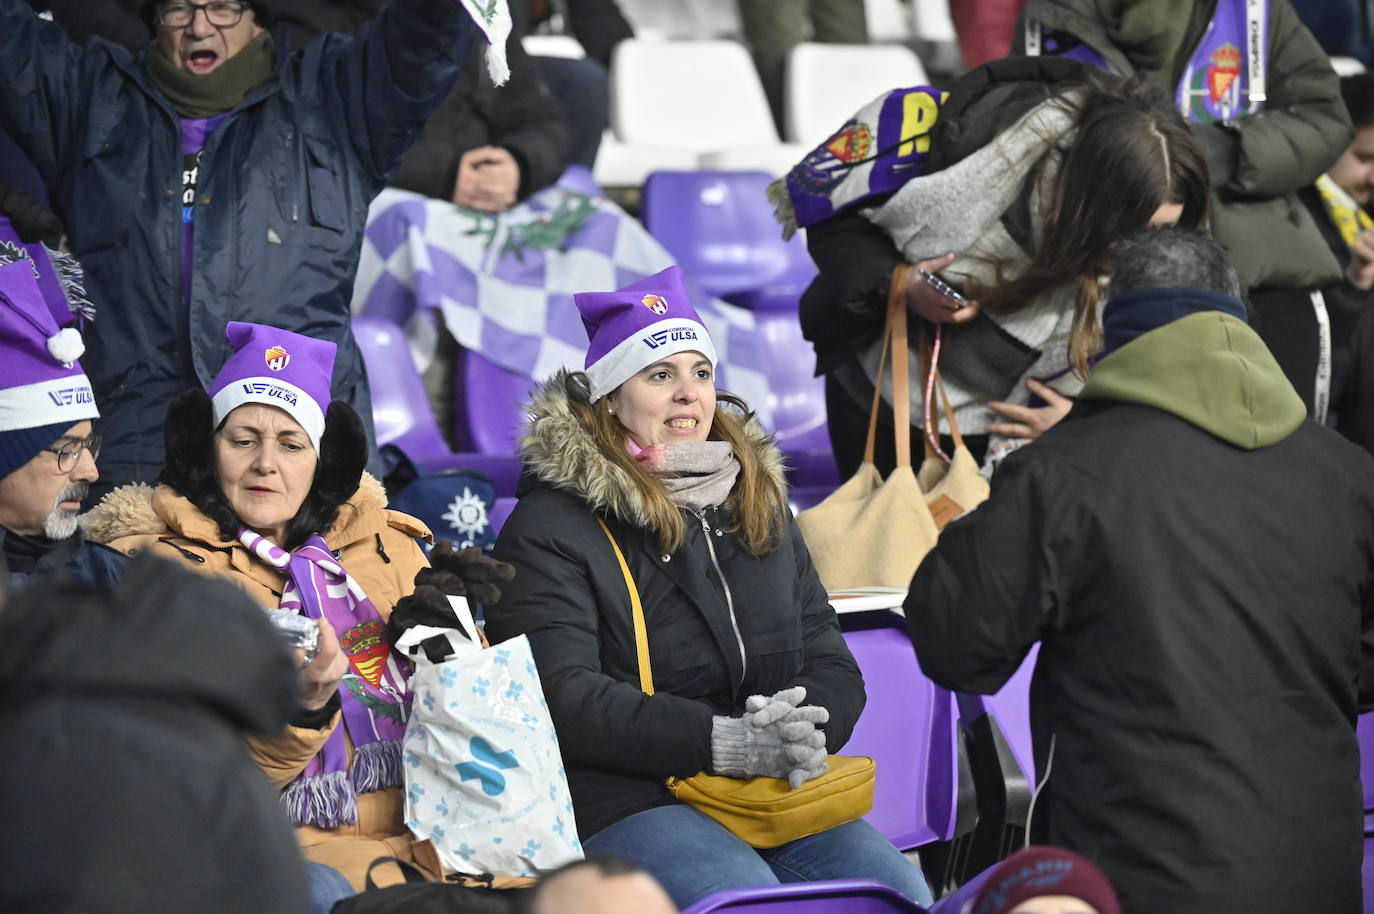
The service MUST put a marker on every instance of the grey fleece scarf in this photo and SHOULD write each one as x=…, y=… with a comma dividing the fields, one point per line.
x=697, y=474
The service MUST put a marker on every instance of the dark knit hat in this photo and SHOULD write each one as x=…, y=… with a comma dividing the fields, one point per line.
x=1036, y=872
x=262, y=13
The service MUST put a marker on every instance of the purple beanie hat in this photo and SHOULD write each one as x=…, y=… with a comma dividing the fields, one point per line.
x=44, y=391
x=637, y=326
x=276, y=368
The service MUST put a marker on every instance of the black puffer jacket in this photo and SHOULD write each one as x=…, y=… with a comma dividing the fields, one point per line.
x=126, y=787
x=570, y=598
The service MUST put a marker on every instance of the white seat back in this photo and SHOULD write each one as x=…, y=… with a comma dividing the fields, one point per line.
x=689, y=19
x=552, y=46
x=697, y=95
x=886, y=20
x=1347, y=66
x=826, y=83
x=930, y=21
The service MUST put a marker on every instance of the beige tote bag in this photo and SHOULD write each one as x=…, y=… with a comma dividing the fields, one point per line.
x=874, y=532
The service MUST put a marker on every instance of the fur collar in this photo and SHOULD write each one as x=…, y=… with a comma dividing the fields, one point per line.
x=561, y=454
x=142, y=510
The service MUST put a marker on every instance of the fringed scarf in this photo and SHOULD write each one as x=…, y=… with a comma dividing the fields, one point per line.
x=375, y=694
x=697, y=474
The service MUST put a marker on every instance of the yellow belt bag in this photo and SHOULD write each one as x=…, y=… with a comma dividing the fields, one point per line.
x=763, y=812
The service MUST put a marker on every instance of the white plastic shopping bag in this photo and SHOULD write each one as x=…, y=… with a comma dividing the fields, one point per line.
x=484, y=776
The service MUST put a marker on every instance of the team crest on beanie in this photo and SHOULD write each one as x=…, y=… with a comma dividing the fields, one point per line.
x=634, y=327
x=277, y=358
x=278, y=368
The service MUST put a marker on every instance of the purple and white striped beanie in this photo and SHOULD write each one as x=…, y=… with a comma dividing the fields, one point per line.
x=636, y=326
x=278, y=368
x=44, y=391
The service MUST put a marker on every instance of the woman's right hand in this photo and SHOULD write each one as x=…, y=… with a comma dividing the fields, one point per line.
x=320, y=677
x=934, y=306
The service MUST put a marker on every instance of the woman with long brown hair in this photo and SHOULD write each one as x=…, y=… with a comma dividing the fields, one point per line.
x=641, y=458
x=1035, y=169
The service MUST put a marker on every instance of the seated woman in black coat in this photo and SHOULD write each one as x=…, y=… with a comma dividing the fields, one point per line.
x=691, y=489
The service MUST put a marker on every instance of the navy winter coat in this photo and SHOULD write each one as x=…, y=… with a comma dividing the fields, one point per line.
x=281, y=203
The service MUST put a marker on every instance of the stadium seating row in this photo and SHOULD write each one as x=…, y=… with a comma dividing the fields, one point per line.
x=699, y=104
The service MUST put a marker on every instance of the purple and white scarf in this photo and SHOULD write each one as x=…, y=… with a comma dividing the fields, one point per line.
x=375, y=691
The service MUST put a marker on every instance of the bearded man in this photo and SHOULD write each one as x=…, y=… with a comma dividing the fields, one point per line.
x=47, y=443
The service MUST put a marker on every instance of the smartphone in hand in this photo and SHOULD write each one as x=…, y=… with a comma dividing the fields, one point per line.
x=944, y=288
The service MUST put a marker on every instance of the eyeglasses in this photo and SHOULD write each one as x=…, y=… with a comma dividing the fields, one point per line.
x=69, y=454
x=219, y=13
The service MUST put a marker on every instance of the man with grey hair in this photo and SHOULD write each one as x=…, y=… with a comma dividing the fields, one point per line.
x=1196, y=558
x=47, y=445
x=1173, y=258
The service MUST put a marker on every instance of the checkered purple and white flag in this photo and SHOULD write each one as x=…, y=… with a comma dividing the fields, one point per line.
x=504, y=283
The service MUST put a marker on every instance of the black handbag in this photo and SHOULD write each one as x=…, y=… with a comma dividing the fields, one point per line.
x=418, y=895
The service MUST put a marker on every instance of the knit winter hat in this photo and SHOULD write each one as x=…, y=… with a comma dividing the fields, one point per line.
x=638, y=325
x=44, y=392
x=276, y=368
x=1035, y=872
x=262, y=13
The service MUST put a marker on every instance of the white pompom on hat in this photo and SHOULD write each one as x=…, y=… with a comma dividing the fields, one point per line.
x=42, y=387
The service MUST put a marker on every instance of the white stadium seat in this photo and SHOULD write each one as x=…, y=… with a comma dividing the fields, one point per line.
x=1347, y=66
x=700, y=96
x=553, y=46
x=826, y=83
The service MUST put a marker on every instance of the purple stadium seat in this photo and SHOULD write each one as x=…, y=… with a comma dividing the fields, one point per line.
x=487, y=400
x=997, y=733
x=500, y=511
x=579, y=180
x=1364, y=729
x=797, y=400
x=1011, y=706
x=401, y=412
x=719, y=227
x=1367, y=875
x=908, y=728
x=840, y=896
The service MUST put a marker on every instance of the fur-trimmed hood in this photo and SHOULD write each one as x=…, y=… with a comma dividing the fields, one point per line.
x=143, y=510
x=559, y=452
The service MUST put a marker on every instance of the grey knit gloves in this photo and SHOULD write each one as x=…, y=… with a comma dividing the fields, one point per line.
x=776, y=738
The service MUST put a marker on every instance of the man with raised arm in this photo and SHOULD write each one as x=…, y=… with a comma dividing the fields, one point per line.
x=219, y=175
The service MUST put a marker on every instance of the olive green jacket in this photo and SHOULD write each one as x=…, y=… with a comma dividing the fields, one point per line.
x=1258, y=163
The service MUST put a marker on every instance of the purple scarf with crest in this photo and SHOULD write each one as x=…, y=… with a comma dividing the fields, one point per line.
x=375, y=693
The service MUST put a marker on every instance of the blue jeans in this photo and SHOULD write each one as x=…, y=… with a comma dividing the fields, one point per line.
x=325, y=885
x=693, y=856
